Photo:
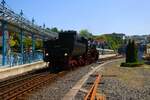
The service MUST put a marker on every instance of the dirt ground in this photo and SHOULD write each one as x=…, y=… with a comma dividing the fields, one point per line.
x=133, y=76
x=125, y=83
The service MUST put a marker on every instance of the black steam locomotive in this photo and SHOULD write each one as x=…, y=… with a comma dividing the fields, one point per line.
x=69, y=50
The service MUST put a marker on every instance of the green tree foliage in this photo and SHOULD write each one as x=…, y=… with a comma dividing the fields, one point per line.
x=135, y=52
x=85, y=33
x=112, y=41
x=54, y=30
x=38, y=44
x=131, y=52
x=27, y=42
x=99, y=38
x=14, y=41
x=128, y=52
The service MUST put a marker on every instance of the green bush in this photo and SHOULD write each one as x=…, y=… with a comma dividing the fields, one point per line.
x=131, y=52
x=134, y=64
x=132, y=56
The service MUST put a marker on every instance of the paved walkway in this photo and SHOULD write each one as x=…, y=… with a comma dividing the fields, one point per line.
x=15, y=70
x=106, y=55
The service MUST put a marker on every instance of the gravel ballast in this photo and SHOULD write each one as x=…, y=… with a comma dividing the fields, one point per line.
x=121, y=83
x=61, y=85
x=115, y=89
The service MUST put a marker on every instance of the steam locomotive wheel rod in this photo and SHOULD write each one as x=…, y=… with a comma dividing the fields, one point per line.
x=27, y=86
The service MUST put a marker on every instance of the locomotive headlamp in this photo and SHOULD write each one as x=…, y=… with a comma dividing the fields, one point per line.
x=65, y=54
x=46, y=54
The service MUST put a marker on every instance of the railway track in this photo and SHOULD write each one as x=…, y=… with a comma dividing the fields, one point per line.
x=15, y=81
x=21, y=76
x=15, y=89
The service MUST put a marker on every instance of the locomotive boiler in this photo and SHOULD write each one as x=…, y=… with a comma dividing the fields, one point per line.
x=68, y=50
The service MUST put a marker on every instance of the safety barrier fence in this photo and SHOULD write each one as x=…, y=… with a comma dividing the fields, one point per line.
x=15, y=59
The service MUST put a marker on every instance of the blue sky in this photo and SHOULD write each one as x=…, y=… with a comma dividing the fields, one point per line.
x=98, y=16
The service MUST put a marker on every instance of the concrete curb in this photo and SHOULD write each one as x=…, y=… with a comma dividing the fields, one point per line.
x=6, y=72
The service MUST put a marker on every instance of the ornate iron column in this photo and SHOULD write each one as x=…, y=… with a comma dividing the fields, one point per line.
x=21, y=40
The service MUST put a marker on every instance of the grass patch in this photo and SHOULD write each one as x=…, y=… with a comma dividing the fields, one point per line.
x=135, y=64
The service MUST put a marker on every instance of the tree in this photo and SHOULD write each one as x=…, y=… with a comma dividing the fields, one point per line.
x=54, y=30
x=27, y=42
x=131, y=52
x=128, y=51
x=111, y=41
x=85, y=33
x=99, y=38
x=135, y=52
x=14, y=41
x=38, y=44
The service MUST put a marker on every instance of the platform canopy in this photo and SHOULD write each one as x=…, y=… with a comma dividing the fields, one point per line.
x=20, y=22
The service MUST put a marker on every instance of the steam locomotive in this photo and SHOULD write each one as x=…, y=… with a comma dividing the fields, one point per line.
x=69, y=50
